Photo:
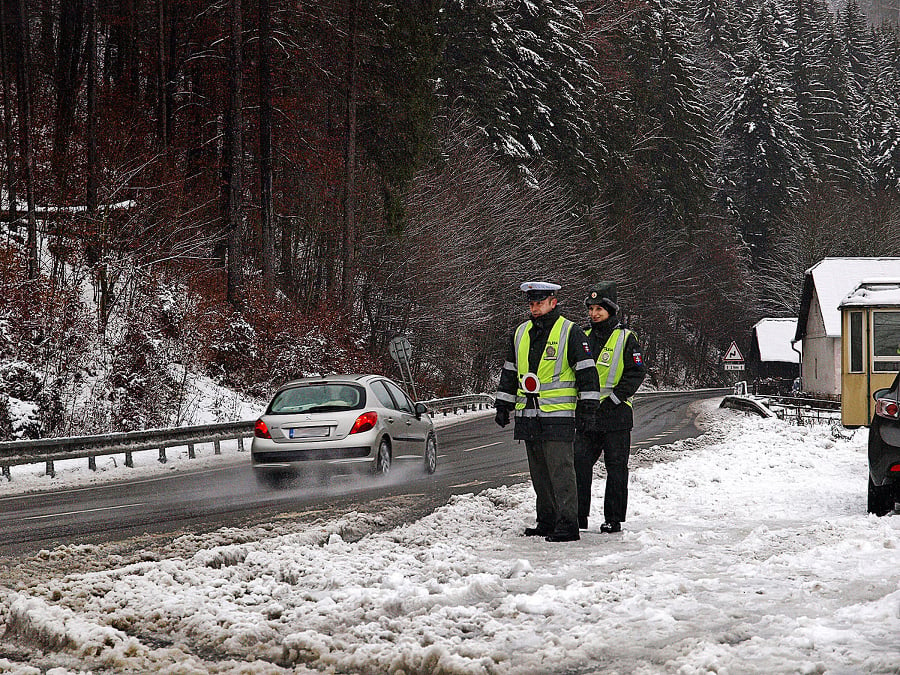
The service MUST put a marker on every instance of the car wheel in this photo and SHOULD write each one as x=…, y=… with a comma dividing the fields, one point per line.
x=383, y=460
x=430, y=454
x=881, y=499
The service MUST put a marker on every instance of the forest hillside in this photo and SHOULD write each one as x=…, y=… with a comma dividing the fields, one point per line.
x=253, y=191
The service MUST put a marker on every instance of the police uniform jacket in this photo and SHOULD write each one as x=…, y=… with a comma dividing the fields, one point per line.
x=612, y=417
x=586, y=380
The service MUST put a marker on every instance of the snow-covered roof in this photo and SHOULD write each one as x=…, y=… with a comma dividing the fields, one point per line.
x=774, y=339
x=833, y=279
x=884, y=292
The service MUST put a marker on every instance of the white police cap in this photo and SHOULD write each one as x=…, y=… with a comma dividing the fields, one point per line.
x=544, y=286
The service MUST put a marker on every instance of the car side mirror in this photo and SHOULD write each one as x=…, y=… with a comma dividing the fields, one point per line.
x=420, y=409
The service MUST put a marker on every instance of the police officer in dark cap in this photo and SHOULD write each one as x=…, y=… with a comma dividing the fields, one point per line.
x=621, y=370
x=549, y=380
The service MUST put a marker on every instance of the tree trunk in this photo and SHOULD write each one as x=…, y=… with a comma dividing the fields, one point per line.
x=125, y=66
x=161, y=77
x=92, y=159
x=349, y=233
x=267, y=209
x=8, y=120
x=99, y=241
x=25, y=136
x=46, y=55
x=233, y=165
x=68, y=63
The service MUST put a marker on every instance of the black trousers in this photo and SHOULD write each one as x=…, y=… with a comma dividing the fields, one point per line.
x=615, y=446
x=553, y=479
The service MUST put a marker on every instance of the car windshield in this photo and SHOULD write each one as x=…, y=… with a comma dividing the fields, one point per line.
x=318, y=397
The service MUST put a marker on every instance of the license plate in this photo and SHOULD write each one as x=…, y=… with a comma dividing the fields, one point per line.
x=309, y=432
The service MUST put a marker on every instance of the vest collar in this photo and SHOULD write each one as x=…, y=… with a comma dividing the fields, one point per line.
x=603, y=329
x=545, y=323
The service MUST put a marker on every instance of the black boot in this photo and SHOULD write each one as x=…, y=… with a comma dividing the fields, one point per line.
x=537, y=531
x=582, y=522
x=564, y=535
x=611, y=527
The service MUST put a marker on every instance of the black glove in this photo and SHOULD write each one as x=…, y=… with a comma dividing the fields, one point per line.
x=607, y=405
x=502, y=416
x=586, y=416
x=591, y=425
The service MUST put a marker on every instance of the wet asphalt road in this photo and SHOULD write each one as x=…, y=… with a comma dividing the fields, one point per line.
x=475, y=454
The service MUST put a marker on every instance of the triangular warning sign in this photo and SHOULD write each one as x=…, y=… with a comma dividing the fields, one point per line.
x=733, y=354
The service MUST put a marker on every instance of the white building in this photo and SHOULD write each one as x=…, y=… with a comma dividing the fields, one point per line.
x=825, y=285
x=772, y=353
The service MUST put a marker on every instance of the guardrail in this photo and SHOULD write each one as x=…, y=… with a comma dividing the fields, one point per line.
x=746, y=404
x=804, y=410
x=50, y=450
x=455, y=403
x=799, y=409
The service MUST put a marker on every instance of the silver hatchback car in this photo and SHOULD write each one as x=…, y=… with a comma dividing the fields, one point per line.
x=341, y=423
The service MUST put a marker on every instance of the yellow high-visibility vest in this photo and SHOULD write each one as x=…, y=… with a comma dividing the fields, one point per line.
x=610, y=364
x=558, y=393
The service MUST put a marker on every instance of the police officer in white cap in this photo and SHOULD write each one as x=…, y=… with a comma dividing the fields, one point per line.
x=550, y=380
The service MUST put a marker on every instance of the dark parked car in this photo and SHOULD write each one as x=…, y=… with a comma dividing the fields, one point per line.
x=884, y=450
x=341, y=423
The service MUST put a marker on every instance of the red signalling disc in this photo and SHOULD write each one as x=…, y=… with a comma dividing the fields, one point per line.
x=530, y=383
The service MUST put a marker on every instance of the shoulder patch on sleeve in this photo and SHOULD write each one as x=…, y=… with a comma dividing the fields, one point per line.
x=637, y=359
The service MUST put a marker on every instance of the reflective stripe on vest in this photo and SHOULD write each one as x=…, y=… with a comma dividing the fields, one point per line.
x=610, y=364
x=558, y=393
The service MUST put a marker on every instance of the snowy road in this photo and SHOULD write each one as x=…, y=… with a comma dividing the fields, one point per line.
x=217, y=491
x=748, y=552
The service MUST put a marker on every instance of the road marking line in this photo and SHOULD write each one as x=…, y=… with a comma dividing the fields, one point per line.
x=72, y=513
x=470, y=484
x=480, y=447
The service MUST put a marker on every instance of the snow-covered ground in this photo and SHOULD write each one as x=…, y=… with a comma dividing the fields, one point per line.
x=749, y=552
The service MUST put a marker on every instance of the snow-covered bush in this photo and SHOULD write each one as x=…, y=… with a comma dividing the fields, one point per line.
x=233, y=348
x=44, y=342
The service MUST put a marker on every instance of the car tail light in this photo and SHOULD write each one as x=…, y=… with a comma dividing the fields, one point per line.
x=887, y=407
x=895, y=468
x=261, y=430
x=364, y=422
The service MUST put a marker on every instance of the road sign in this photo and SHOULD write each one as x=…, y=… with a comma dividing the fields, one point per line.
x=733, y=354
x=400, y=349
x=734, y=366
